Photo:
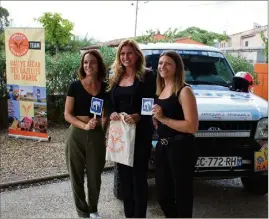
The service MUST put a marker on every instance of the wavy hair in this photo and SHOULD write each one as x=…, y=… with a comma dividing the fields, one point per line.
x=101, y=74
x=118, y=69
x=179, y=79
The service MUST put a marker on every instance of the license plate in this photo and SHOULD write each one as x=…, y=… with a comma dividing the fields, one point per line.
x=219, y=162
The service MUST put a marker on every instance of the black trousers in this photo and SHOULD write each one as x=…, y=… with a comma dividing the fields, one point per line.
x=175, y=165
x=133, y=181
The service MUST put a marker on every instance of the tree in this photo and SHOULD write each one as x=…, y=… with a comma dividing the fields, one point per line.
x=195, y=33
x=77, y=43
x=265, y=41
x=4, y=22
x=58, y=30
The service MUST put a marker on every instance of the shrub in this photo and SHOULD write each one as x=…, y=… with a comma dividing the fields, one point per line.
x=108, y=54
x=61, y=70
x=241, y=64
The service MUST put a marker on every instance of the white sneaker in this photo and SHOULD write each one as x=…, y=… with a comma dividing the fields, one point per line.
x=94, y=215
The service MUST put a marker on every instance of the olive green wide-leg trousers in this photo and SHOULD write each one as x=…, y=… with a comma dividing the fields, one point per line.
x=85, y=150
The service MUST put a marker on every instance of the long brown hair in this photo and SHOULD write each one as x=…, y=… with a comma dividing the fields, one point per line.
x=118, y=69
x=179, y=79
x=101, y=74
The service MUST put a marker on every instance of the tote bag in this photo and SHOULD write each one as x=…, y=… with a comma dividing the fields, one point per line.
x=120, y=142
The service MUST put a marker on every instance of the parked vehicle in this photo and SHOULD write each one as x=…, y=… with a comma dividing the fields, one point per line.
x=233, y=124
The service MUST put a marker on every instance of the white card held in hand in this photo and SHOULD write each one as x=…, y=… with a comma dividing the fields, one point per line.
x=147, y=104
x=96, y=106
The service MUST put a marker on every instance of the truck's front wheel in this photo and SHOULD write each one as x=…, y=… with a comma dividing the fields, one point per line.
x=257, y=184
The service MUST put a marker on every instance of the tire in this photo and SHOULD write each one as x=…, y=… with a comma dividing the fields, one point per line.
x=116, y=189
x=257, y=185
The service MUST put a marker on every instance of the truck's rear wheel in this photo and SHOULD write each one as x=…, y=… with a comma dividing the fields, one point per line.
x=257, y=184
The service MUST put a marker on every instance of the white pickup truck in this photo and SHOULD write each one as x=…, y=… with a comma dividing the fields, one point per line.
x=233, y=126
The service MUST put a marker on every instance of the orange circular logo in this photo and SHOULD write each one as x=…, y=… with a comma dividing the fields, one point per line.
x=18, y=44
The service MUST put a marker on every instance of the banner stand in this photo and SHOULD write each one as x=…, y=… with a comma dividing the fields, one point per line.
x=26, y=83
x=30, y=137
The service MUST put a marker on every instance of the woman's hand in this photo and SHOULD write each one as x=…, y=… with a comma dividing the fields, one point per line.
x=133, y=118
x=157, y=112
x=91, y=124
x=114, y=116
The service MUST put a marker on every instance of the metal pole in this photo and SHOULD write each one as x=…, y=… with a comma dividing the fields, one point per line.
x=136, y=12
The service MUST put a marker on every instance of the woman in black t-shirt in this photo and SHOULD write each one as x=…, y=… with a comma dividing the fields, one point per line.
x=85, y=143
x=129, y=83
x=176, y=118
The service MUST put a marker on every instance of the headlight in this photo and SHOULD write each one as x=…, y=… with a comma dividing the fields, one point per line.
x=262, y=129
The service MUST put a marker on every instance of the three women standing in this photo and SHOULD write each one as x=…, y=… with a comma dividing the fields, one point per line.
x=175, y=117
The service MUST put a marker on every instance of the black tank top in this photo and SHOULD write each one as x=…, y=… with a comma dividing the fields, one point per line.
x=123, y=99
x=173, y=110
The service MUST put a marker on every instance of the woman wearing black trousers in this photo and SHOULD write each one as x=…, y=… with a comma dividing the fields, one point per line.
x=176, y=118
x=130, y=82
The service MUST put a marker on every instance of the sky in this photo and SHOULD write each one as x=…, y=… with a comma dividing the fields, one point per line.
x=108, y=20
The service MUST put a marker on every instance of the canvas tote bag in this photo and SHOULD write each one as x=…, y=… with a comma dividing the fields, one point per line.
x=120, y=142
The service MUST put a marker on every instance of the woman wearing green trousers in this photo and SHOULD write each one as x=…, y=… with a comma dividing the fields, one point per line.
x=85, y=143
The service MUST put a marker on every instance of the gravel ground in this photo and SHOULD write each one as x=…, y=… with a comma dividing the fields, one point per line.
x=27, y=159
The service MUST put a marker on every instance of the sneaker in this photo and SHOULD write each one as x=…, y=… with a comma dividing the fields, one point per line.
x=94, y=215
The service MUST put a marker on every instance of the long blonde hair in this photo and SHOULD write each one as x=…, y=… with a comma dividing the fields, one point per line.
x=179, y=79
x=117, y=67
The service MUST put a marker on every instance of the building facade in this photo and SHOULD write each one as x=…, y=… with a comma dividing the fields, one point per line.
x=247, y=44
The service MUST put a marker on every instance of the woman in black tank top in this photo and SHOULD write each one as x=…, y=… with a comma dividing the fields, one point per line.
x=176, y=119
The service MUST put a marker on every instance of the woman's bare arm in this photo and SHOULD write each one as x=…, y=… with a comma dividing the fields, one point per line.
x=189, y=106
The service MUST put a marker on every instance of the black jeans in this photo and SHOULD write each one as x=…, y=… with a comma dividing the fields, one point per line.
x=175, y=163
x=133, y=182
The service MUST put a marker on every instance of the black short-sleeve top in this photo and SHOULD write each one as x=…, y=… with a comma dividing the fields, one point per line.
x=83, y=98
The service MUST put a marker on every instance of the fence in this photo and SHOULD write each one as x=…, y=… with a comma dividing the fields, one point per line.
x=262, y=88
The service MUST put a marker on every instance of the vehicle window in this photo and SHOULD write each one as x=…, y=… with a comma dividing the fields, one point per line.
x=211, y=67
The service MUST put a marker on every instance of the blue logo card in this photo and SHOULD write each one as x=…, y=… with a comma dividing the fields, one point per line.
x=147, y=104
x=96, y=106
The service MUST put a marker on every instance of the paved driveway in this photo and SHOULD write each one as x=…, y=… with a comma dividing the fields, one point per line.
x=213, y=199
